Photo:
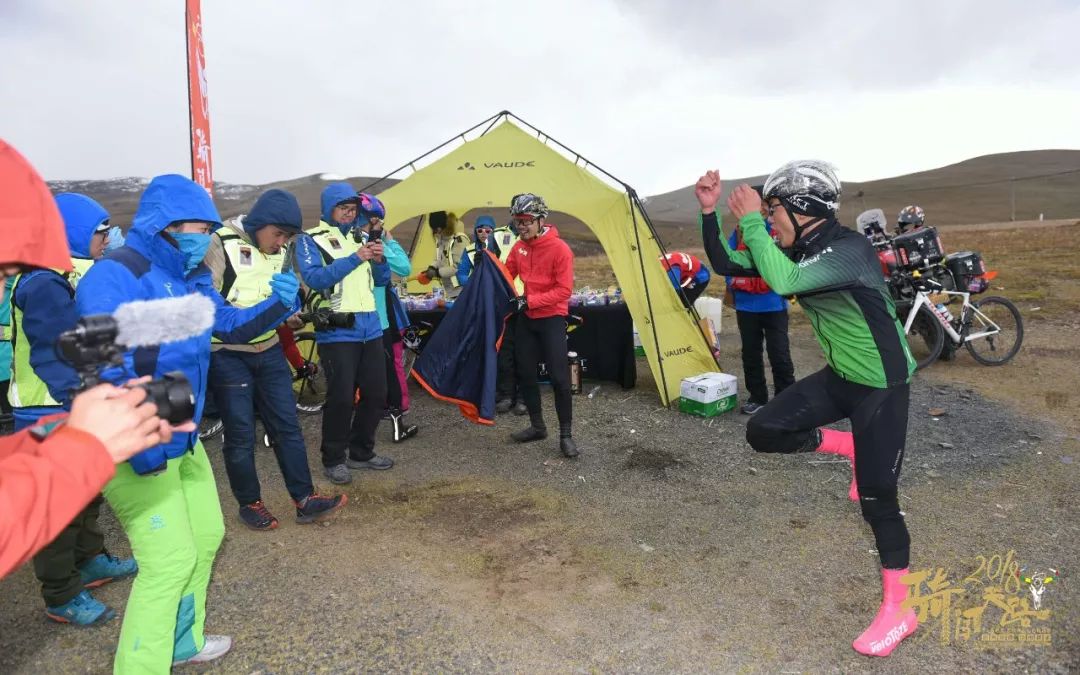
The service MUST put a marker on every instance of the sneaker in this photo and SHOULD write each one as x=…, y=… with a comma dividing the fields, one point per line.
x=82, y=610
x=315, y=507
x=104, y=568
x=215, y=647
x=520, y=409
x=257, y=517
x=503, y=406
x=749, y=408
x=338, y=474
x=375, y=463
x=210, y=428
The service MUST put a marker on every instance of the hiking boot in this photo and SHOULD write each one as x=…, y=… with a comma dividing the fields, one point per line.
x=749, y=408
x=568, y=447
x=338, y=474
x=503, y=406
x=529, y=434
x=215, y=647
x=82, y=610
x=258, y=517
x=104, y=568
x=402, y=429
x=315, y=507
x=375, y=463
x=520, y=409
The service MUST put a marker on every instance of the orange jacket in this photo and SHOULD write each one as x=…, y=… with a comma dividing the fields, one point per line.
x=44, y=484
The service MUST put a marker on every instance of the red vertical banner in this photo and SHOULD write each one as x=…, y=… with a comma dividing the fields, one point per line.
x=198, y=103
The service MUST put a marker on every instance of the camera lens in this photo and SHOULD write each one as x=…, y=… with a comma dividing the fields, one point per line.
x=173, y=396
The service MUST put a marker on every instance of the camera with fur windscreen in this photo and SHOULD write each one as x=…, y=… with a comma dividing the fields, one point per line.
x=100, y=341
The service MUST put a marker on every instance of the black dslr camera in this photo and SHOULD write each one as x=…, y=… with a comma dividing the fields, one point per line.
x=324, y=319
x=91, y=345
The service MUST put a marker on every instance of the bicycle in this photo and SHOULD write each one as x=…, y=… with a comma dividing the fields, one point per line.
x=996, y=322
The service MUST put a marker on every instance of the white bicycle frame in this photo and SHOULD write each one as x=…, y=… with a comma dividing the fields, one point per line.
x=923, y=298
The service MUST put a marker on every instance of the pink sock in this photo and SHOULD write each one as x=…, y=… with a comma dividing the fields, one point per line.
x=892, y=623
x=841, y=443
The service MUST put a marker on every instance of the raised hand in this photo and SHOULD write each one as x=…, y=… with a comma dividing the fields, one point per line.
x=707, y=191
x=743, y=200
x=119, y=418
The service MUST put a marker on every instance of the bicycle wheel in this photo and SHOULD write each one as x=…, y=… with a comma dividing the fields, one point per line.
x=926, y=338
x=310, y=388
x=1000, y=319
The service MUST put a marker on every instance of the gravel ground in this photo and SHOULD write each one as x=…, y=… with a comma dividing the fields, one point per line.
x=668, y=546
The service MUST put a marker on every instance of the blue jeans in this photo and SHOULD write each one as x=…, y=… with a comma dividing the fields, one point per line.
x=241, y=381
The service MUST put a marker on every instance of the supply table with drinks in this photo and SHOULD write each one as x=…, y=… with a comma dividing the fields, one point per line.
x=600, y=335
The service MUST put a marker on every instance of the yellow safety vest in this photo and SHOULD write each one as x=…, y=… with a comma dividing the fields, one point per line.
x=246, y=280
x=505, y=237
x=27, y=390
x=356, y=292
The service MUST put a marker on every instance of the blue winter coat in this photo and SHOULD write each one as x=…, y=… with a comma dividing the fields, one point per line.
x=48, y=307
x=320, y=276
x=111, y=282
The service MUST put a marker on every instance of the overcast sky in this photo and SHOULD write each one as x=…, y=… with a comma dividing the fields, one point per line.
x=654, y=91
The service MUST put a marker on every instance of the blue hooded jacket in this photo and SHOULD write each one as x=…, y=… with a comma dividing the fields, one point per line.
x=111, y=282
x=465, y=266
x=47, y=302
x=320, y=276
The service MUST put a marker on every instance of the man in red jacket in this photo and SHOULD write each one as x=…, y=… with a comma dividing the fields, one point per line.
x=546, y=266
x=50, y=472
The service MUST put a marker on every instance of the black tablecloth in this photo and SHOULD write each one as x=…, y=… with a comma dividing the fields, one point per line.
x=604, y=340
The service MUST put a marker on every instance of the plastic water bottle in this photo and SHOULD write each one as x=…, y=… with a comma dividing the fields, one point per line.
x=944, y=312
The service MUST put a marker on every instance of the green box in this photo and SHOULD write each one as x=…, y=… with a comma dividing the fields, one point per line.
x=639, y=351
x=711, y=409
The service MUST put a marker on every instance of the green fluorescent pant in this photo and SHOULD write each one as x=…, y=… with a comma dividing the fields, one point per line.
x=173, y=520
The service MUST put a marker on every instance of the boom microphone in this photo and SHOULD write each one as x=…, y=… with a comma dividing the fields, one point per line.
x=146, y=323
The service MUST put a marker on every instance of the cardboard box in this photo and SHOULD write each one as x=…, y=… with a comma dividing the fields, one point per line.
x=709, y=394
x=708, y=409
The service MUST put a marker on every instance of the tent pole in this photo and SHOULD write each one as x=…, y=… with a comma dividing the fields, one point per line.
x=493, y=121
x=632, y=196
x=435, y=149
x=663, y=249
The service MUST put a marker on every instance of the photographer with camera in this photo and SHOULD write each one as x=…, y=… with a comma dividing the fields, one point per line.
x=392, y=316
x=166, y=497
x=243, y=258
x=50, y=472
x=43, y=307
x=835, y=274
x=334, y=261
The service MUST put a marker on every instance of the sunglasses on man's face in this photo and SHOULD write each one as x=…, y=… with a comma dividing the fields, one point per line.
x=485, y=230
x=774, y=206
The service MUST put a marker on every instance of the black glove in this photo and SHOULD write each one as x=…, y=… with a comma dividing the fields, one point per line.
x=519, y=304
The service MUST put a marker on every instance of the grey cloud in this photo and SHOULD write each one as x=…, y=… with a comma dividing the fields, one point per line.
x=834, y=45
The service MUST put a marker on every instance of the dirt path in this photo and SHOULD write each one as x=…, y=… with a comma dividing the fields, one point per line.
x=668, y=547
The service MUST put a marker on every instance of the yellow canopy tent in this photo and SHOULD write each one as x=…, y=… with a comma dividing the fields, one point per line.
x=505, y=160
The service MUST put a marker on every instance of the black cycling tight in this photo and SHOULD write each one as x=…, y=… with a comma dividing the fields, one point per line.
x=544, y=340
x=879, y=424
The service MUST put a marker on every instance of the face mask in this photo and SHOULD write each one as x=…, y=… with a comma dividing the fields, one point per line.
x=193, y=247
